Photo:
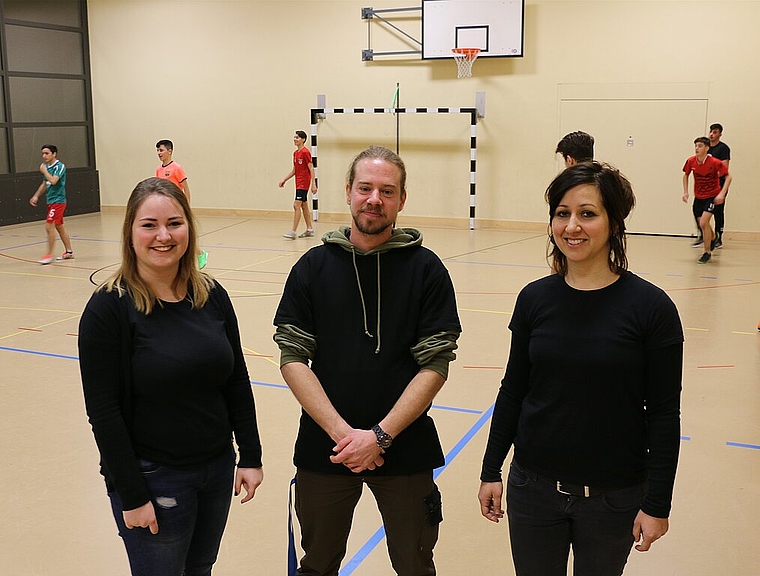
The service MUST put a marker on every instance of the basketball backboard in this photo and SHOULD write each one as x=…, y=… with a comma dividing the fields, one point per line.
x=494, y=26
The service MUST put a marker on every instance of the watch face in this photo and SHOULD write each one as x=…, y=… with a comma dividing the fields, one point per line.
x=384, y=440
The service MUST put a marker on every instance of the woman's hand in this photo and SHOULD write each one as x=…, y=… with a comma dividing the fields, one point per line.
x=489, y=496
x=248, y=478
x=142, y=517
x=647, y=529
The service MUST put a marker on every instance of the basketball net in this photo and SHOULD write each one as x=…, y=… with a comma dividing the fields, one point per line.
x=464, y=58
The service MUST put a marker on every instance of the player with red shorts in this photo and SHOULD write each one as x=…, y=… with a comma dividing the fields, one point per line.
x=54, y=186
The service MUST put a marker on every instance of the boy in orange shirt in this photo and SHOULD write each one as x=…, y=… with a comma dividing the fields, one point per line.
x=171, y=170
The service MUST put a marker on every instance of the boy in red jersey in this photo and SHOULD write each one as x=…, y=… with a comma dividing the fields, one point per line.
x=303, y=170
x=707, y=190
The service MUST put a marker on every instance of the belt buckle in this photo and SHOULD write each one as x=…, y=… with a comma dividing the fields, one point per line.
x=586, y=490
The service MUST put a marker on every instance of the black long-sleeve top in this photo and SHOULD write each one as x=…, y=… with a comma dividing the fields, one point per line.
x=170, y=387
x=591, y=394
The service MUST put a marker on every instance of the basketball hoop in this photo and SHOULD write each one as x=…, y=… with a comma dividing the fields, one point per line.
x=464, y=58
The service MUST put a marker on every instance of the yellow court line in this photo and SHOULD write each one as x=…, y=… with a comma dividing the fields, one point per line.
x=254, y=293
x=485, y=311
x=254, y=264
x=37, y=309
x=41, y=326
x=259, y=354
x=697, y=329
x=42, y=275
x=747, y=333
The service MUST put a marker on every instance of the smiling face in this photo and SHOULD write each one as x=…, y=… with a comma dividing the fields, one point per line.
x=160, y=236
x=581, y=227
x=164, y=154
x=375, y=197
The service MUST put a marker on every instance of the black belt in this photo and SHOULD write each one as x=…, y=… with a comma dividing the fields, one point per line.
x=571, y=489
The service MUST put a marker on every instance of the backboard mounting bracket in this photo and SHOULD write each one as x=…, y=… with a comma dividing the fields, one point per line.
x=369, y=14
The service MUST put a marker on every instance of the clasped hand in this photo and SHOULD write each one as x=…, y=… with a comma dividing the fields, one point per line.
x=358, y=451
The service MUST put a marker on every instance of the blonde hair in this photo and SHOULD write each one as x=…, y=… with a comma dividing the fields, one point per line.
x=127, y=278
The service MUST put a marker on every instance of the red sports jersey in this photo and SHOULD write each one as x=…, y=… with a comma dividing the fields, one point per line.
x=706, y=176
x=301, y=161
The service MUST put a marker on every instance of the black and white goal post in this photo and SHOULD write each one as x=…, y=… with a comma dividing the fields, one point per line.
x=474, y=113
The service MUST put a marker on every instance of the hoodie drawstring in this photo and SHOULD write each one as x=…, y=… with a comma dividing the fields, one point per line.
x=364, y=306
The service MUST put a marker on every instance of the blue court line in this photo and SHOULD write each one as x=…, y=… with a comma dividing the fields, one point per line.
x=740, y=445
x=452, y=261
x=49, y=354
x=253, y=382
x=454, y=409
x=269, y=385
x=378, y=536
x=685, y=438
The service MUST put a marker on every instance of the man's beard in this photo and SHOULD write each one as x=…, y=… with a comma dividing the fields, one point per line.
x=371, y=228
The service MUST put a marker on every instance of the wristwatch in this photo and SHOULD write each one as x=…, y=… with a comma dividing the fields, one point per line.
x=384, y=440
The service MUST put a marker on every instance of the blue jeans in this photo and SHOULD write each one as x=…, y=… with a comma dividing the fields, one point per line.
x=544, y=523
x=191, y=510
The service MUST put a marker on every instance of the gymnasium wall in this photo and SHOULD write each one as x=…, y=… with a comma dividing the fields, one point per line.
x=229, y=82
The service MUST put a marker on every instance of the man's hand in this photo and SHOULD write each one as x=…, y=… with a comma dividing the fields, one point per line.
x=647, y=529
x=358, y=451
x=685, y=197
x=489, y=495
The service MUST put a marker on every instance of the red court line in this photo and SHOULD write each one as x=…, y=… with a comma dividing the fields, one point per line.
x=70, y=334
x=29, y=329
x=726, y=366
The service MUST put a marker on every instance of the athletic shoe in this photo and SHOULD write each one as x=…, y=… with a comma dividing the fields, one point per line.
x=308, y=234
x=46, y=259
x=65, y=256
x=698, y=242
x=290, y=235
x=705, y=258
x=718, y=244
x=713, y=242
x=202, y=260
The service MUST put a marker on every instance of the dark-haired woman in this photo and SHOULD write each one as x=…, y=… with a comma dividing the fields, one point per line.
x=591, y=395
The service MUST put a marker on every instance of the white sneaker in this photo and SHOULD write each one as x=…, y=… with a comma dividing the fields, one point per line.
x=290, y=235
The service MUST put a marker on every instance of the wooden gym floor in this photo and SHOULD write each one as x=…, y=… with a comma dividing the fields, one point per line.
x=56, y=519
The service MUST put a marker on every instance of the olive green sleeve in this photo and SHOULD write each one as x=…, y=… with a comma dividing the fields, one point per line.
x=436, y=351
